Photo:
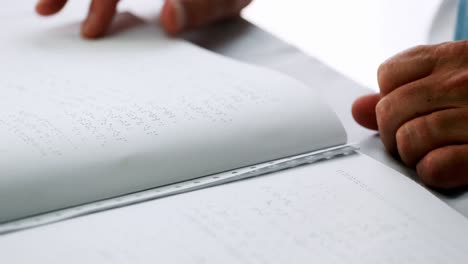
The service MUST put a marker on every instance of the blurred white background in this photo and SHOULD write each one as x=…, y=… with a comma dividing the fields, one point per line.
x=354, y=36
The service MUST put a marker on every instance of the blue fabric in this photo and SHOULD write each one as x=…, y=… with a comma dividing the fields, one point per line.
x=461, y=31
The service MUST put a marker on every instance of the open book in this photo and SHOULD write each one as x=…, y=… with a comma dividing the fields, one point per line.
x=82, y=122
x=87, y=121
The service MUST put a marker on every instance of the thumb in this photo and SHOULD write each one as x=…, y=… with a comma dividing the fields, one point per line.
x=180, y=15
x=364, y=111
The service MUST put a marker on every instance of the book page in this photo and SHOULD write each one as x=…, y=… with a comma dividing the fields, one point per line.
x=82, y=121
x=347, y=210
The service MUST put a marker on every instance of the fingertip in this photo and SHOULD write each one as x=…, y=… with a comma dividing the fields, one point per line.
x=181, y=15
x=44, y=10
x=100, y=16
x=445, y=168
x=49, y=7
x=91, y=29
x=173, y=16
x=363, y=111
x=88, y=32
x=426, y=169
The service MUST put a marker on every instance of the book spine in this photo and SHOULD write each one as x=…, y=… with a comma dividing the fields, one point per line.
x=178, y=188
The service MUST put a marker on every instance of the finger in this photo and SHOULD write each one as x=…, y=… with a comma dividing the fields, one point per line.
x=180, y=15
x=363, y=111
x=406, y=67
x=416, y=99
x=100, y=16
x=419, y=136
x=445, y=168
x=49, y=7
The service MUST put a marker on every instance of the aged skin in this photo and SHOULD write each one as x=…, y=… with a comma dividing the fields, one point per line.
x=422, y=111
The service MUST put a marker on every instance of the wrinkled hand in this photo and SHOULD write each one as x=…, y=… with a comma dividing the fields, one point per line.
x=176, y=16
x=422, y=111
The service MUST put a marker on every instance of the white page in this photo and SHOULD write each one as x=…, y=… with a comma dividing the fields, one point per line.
x=82, y=121
x=348, y=210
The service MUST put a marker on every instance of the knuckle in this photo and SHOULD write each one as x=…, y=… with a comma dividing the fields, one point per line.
x=384, y=67
x=435, y=169
x=412, y=137
x=424, y=126
x=387, y=70
x=418, y=136
x=385, y=122
x=386, y=74
x=383, y=73
x=444, y=126
x=457, y=49
x=414, y=89
x=430, y=173
x=451, y=56
x=432, y=123
x=455, y=85
x=404, y=144
x=383, y=112
x=419, y=49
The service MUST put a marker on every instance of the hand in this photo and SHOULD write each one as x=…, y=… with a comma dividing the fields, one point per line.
x=422, y=111
x=176, y=16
